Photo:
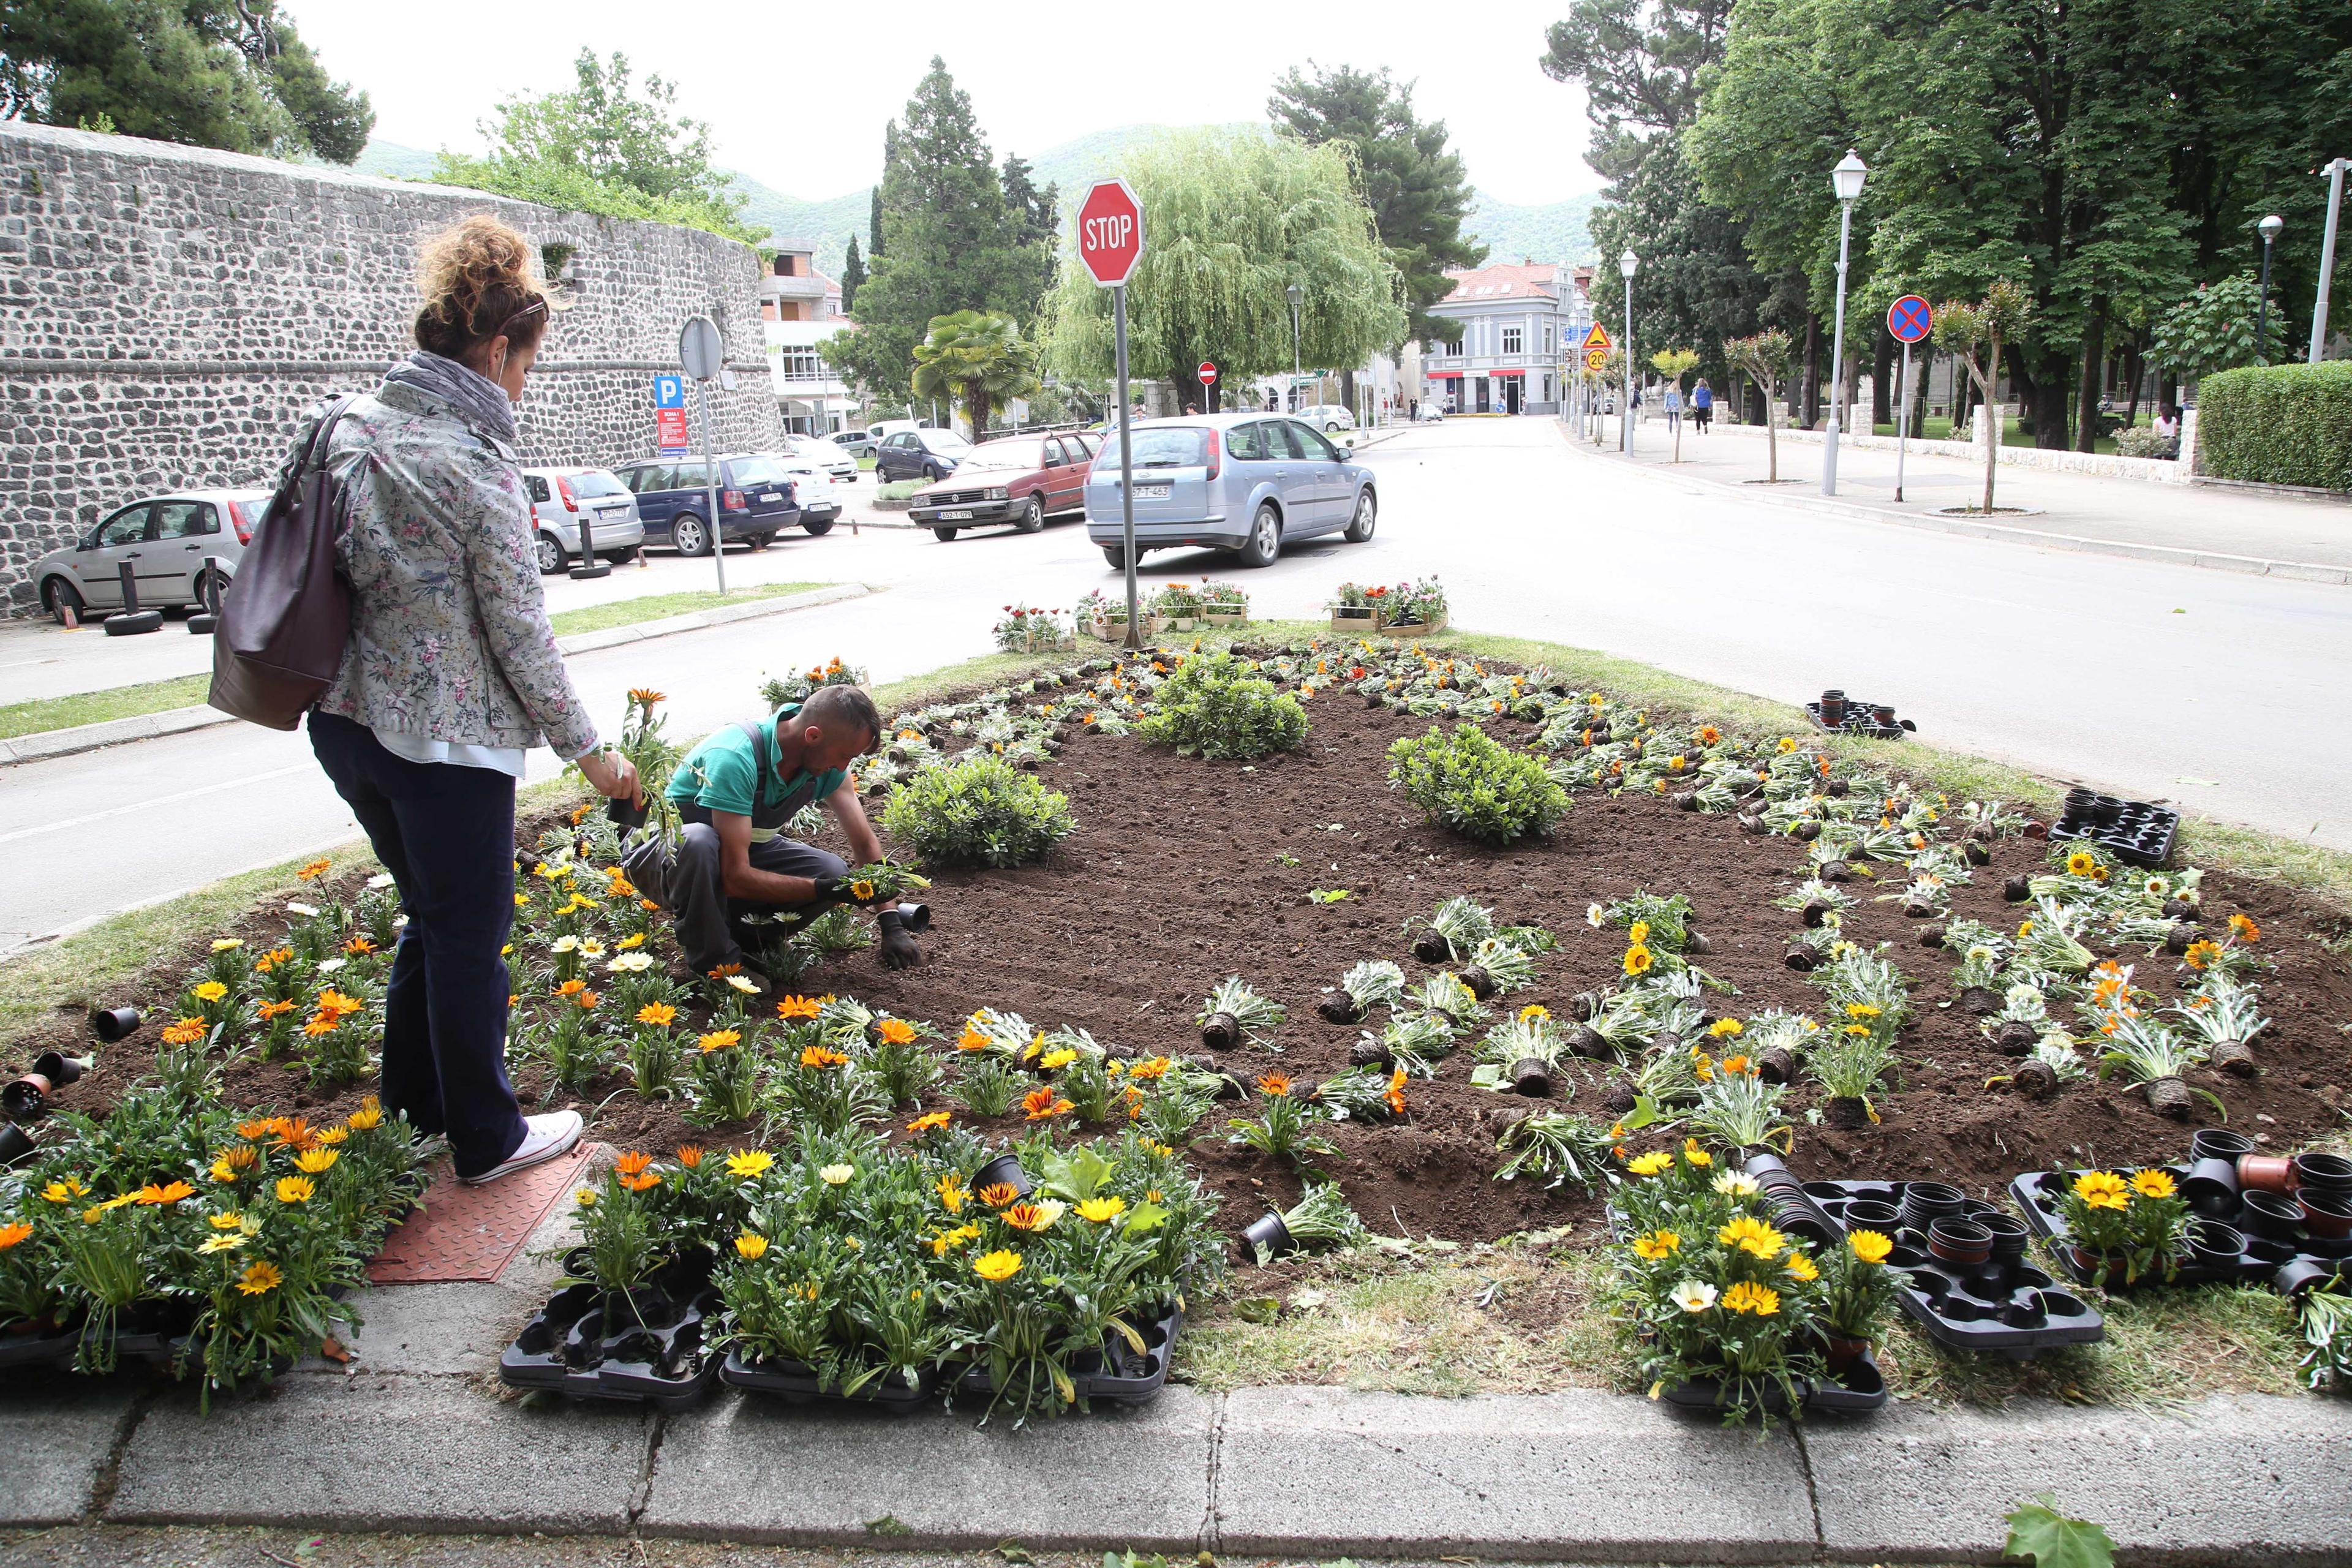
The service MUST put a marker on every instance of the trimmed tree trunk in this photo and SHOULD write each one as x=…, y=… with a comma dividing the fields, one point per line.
x=1812, y=387
x=1772, y=437
x=1882, y=374
x=2095, y=361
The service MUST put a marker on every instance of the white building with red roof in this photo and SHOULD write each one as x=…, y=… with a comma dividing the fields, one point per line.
x=1514, y=338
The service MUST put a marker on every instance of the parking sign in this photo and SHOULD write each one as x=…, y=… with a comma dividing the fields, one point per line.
x=669, y=392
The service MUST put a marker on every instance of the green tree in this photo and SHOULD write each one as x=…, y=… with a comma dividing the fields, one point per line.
x=2213, y=329
x=232, y=74
x=853, y=276
x=1973, y=333
x=1233, y=218
x=1764, y=357
x=954, y=244
x=1033, y=218
x=1674, y=364
x=608, y=147
x=1418, y=190
x=975, y=358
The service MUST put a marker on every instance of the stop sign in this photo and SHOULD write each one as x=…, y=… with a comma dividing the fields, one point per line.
x=1110, y=232
x=1208, y=372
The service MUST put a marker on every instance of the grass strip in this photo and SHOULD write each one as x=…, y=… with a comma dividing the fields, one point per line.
x=98, y=707
x=659, y=606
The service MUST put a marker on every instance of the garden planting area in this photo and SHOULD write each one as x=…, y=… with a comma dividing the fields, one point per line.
x=1381, y=939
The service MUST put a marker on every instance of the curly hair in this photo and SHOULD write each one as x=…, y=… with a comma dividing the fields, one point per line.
x=475, y=277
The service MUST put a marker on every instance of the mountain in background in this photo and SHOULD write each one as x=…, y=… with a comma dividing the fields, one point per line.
x=1552, y=231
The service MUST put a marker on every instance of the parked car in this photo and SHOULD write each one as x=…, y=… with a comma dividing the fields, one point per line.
x=1431, y=412
x=826, y=454
x=1328, y=417
x=820, y=503
x=165, y=539
x=1019, y=480
x=1248, y=483
x=755, y=500
x=857, y=442
x=928, y=455
x=559, y=498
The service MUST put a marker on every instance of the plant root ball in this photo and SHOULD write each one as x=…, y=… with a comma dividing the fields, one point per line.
x=2168, y=1097
x=1430, y=947
x=1220, y=1031
x=1339, y=1008
x=2036, y=1079
x=1778, y=1065
x=2234, y=1058
x=1482, y=984
x=1847, y=1113
x=2017, y=890
x=1800, y=958
x=2016, y=1039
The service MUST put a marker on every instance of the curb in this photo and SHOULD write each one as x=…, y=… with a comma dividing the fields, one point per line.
x=2206, y=560
x=47, y=743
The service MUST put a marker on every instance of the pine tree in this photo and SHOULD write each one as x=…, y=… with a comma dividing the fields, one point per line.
x=1033, y=215
x=874, y=204
x=852, y=277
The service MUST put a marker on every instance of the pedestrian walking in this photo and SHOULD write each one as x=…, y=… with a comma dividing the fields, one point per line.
x=1702, y=405
x=1673, y=404
x=451, y=674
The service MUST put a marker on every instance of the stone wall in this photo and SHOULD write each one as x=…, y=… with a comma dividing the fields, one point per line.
x=167, y=314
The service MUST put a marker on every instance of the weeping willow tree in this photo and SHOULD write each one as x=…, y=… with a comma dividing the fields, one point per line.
x=1230, y=219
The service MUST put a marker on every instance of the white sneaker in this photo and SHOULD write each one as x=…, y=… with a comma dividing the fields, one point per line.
x=543, y=1137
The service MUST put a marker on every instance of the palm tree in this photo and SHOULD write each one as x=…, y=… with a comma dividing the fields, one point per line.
x=976, y=358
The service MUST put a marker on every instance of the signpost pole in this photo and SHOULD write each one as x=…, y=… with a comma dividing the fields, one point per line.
x=710, y=485
x=1903, y=421
x=1126, y=467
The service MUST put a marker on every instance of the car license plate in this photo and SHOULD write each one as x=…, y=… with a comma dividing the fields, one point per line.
x=770, y=496
x=955, y=516
x=1152, y=492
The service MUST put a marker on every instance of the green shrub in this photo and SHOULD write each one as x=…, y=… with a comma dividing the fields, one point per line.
x=979, y=811
x=2280, y=424
x=1214, y=708
x=1480, y=789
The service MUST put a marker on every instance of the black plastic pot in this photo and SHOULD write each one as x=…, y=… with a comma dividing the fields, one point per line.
x=2213, y=1245
x=1003, y=1169
x=1924, y=1203
x=915, y=919
x=2009, y=1234
x=2211, y=1186
x=61, y=1069
x=2218, y=1144
x=2323, y=1172
x=796, y=1384
x=2270, y=1215
x=1953, y=1240
x=25, y=1099
x=627, y=815
x=1268, y=1237
x=114, y=1024
x=15, y=1144
x=2294, y=1278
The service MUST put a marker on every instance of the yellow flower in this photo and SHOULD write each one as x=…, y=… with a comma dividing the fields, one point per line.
x=367, y=1117
x=861, y=889
x=1638, y=933
x=836, y=1176
x=2102, y=1190
x=260, y=1277
x=1638, y=961
x=896, y=1032
x=1651, y=1164
x=1031, y=1217
x=1534, y=1014
x=1860, y=1010
x=1723, y=1028
x=1752, y=1236
x=1870, y=1246
x=210, y=991
x=952, y=1193
x=225, y=1221
x=186, y=1032
x=750, y=1164
x=1750, y=1297
x=718, y=1040
x=661, y=1015
x=1102, y=1210
x=216, y=1243
x=2081, y=864
x=1056, y=1060
x=315, y=1162
x=631, y=943
x=998, y=1265
x=585, y=1197
x=2152, y=1184
x=2243, y=928
x=1657, y=1245
x=65, y=1191
x=1801, y=1267
x=296, y=1189
x=751, y=1246
x=1697, y=1157
x=227, y=943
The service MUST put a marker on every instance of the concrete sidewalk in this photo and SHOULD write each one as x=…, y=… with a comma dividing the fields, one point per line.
x=2192, y=525
x=415, y=1435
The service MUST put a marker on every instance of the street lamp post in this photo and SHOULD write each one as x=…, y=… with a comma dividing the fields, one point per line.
x=1626, y=266
x=1846, y=180
x=1294, y=294
x=2335, y=172
x=2269, y=227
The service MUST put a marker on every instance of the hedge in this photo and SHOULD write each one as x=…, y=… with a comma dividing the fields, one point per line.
x=2280, y=425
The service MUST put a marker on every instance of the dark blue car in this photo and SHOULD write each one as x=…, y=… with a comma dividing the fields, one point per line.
x=755, y=500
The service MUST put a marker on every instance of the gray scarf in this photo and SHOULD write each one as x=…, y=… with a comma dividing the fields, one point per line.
x=479, y=401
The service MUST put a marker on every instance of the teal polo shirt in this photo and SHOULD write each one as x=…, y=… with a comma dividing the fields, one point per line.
x=721, y=774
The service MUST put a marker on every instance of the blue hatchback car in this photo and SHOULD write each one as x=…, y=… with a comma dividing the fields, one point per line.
x=756, y=500
x=1246, y=483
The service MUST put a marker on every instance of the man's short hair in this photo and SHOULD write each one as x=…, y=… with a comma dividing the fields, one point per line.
x=836, y=709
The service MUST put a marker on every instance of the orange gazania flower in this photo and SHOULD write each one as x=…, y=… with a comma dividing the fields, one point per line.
x=1273, y=1084
x=972, y=1039
x=187, y=1032
x=270, y=1010
x=661, y=1015
x=2201, y=954
x=293, y=1133
x=2244, y=929
x=1043, y=1104
x=925, y=1123
x=359, y=947
x=1151, y=1067
x=154, y=1194
x=896, y=1031
x=718, y=1040
x=642, y=1182
x=1394, y=1094
x=314, y=870
x=1027, y=1217
x=996, y=1195
x=790, y=1007
x=587, y=1001
x=630, y=1164
x=690, y=1156
x=724, y=970
x=10, y=1234
x=822, y=1056
x=571, y=988
x=646, y=696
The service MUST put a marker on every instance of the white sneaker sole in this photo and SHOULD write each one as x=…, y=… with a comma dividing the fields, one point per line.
x=521, y=1162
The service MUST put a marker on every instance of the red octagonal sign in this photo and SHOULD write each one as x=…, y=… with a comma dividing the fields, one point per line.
x=1110, y=232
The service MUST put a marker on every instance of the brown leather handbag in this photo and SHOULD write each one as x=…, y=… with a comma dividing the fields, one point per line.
x=287, y=612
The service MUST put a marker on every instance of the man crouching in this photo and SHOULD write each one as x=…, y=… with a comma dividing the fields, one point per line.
x=737, y=789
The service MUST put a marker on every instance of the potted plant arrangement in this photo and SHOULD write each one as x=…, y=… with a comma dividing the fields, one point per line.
x=2121, y=1229
x=1179, y=605
x=1028, y=629
x=1093, y=615
x=1223, y=604
x=1412, y=609
x=1354, y=609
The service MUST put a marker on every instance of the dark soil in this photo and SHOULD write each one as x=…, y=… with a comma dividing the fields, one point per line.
x=1182, y=873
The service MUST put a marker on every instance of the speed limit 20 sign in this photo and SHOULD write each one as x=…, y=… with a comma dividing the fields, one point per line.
x=1110, y=232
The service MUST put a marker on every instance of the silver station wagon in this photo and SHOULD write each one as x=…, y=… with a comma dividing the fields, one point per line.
x=1246, y=483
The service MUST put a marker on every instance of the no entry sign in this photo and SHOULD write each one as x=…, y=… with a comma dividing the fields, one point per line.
x=1207, y=373
x=1908, y=320
x=1110, y=232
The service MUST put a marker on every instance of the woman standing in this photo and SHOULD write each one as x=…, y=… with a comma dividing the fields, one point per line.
x=1701, y=405
x=451, y=675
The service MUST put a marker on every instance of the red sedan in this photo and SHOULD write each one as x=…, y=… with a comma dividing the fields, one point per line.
x=1020, y=480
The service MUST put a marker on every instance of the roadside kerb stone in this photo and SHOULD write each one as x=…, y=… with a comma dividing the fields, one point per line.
x=2239, y=1480
x=58, y=1431
x=670, y=626
x=456, y=1329
x=1577, y=1476
x=384, y=1453
x=110, y=733
x=756, y=1469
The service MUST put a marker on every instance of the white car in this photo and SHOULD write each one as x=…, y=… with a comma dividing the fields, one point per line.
x=562, y=498
x=813, y=489
x=175, y=546
x=827, y=454
x=1328, y=417
x=1432, y=412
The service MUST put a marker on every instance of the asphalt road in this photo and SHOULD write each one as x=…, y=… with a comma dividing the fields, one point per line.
x=2148, y=681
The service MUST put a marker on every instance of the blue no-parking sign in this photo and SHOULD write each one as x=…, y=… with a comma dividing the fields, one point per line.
x=669, y=392
x=1908, y=320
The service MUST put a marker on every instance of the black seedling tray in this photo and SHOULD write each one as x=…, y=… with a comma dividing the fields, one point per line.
x=797, y=1383
x=2141, y=834
x=666, y=1365
x=2038, y=1194
x=1860, y=1391
x=27, y=1352
x=1861, y=720
x=1114, y=1373
x=2013, y=1309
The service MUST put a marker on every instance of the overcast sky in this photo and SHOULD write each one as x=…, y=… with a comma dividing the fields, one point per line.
x=800, y=103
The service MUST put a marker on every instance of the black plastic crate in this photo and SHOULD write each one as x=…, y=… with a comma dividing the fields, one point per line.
x=658, y=1359
x=1114, y=1372
x=2038, y=1194
x=1861, y=720
x=2138, y=832
x=797, y=1383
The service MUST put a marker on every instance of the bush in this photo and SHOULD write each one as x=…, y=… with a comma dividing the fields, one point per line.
x=2280, y=425
x=980, y=811
x=1478, y=788
x=1214, y=708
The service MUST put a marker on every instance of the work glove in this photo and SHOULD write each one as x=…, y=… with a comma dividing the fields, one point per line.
x=897, y=949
